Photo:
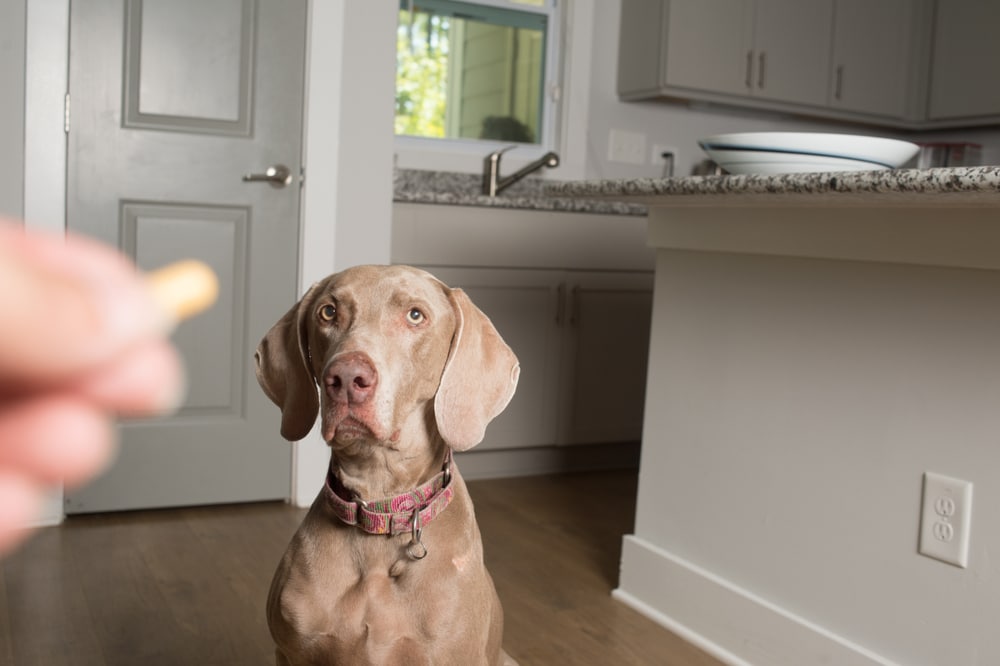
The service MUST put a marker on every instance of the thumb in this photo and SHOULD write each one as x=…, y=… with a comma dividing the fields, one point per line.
x=67, y=305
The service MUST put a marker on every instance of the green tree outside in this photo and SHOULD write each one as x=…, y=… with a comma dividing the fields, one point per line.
x=422, y=48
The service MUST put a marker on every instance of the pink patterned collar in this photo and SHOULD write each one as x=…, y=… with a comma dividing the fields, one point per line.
x=408, y=512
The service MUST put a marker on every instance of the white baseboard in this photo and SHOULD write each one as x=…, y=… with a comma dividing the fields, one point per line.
x=505, y=463
x=730, y=623
x=51, y=511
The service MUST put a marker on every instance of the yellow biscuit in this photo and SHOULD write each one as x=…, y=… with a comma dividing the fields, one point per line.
x=184, y=288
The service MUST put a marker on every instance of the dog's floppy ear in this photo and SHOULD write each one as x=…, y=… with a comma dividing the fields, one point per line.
x=479, y=376
x=284, y=374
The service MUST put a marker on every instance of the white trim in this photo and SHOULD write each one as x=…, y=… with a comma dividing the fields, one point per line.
x=46, y=82
x=723, y=619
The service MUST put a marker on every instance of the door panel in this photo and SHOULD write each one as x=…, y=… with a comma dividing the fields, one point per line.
x=189, y=59
x=172, y=103
x=215, y=350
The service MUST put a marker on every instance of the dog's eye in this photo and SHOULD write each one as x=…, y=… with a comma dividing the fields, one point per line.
x=328, y=313
x=415, y=316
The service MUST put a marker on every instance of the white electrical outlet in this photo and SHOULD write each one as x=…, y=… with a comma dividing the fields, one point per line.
x=946, y=518
x=627, y=147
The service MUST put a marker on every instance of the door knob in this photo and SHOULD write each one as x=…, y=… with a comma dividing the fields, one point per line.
x=277, y=175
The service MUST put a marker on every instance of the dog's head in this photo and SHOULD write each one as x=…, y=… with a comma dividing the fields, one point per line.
x=386, y=346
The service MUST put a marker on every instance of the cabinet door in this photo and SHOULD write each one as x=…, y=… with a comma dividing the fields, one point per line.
x=709, y=44
x=607, y=351
x=792, y=50
x=870, y=68
x=524, y=306
x=965, y=66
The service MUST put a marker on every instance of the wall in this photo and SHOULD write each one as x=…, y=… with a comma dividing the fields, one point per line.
x=12, y=41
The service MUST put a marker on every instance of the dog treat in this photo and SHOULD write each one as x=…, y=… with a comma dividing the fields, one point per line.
x=184, y=288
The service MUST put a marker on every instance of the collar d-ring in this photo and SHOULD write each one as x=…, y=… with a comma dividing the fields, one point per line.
x=416, y=549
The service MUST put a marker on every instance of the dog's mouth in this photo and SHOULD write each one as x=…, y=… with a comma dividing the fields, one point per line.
x=345, y=428
x=352, y=428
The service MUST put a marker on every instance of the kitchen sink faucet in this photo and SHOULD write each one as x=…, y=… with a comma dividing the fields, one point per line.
x=493, y=184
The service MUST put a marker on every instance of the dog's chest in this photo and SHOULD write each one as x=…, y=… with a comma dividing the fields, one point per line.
x=382, y=612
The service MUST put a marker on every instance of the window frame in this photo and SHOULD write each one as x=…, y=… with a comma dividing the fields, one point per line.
x=461, y=149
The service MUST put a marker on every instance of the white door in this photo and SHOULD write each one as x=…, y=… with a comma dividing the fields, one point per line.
x=171, y=103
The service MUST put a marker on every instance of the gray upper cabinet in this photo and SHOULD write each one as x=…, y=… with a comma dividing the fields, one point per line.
x=714, y=64
x=965, y=62
x=911, y=64
x=762, y=49
x=871, y=65
x=791, y=49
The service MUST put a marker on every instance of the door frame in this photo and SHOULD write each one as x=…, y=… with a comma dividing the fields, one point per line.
x=338, y=94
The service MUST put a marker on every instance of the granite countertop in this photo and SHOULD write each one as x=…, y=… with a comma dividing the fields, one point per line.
x=955, y=186
x=463, y=189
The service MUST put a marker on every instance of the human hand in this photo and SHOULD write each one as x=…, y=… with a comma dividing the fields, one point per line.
x=82, y=340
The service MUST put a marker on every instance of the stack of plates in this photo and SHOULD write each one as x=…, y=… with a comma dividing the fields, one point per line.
x=805, y=152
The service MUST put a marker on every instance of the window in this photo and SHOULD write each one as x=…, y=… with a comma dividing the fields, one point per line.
x=475, y=70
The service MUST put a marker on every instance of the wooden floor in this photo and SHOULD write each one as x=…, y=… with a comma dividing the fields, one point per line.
x=187, y=586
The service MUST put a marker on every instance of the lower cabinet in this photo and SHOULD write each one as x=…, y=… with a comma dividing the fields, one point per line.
x=582, y=338
x=606, y=351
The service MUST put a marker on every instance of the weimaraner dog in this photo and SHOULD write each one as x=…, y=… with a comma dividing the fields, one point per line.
x=387, y=566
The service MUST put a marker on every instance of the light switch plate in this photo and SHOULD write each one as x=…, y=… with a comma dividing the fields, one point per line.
x=626, y=147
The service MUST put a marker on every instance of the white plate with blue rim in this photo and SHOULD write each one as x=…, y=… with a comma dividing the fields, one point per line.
x=805, y=152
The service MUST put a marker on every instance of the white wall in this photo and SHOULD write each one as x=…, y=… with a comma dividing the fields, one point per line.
x=45, y=63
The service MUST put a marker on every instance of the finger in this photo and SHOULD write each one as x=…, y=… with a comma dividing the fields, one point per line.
x=147, y=379
x=67, y=306
x=20, y=500
x=53, y=439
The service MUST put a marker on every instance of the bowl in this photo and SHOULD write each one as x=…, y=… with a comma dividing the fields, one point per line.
x=805, y=152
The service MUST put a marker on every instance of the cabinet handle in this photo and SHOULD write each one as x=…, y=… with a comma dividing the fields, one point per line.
x=574, y=306
x=749, y=77
x=762, y=61
x=838, y=88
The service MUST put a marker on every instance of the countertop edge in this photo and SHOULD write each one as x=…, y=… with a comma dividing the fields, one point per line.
x=947, y=186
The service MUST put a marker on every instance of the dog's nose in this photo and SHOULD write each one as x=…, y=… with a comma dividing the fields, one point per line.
x=352, y=378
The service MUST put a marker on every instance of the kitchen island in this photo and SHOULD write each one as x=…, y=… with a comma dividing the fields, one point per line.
x=818, y=342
